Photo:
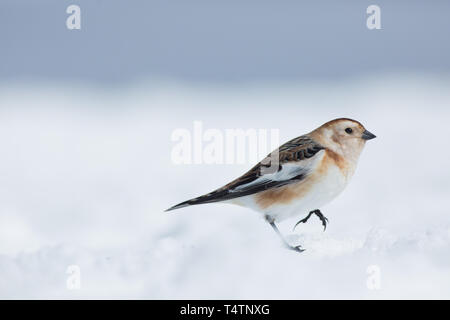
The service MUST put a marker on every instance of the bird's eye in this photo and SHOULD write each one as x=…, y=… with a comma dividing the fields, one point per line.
x=349, y=130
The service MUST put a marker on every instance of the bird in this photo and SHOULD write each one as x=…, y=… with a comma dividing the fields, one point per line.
x=299, y=177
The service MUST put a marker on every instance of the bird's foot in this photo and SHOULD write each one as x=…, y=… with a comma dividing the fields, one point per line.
x=295, y=248
x=319, y=214
x=304, y=220
x=322, y=218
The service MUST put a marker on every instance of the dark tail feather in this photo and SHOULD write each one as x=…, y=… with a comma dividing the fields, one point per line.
x=214, y=196
x=178, y=206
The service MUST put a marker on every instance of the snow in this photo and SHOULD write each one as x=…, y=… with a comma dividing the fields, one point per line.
x=87, y=173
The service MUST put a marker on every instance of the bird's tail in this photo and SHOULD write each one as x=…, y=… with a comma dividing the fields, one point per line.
x=214, y=196
x=180, y=205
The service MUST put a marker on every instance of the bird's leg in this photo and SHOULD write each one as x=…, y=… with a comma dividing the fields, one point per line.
x=304, y=220
x=319, y=215
x=322, y=218
x=287, y=245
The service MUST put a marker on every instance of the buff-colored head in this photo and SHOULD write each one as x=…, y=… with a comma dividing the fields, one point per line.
x=344, y=136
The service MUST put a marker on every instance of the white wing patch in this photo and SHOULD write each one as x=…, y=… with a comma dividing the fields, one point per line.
x=288, y=171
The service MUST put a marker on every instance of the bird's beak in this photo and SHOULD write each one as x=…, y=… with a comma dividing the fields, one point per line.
x=367, y=135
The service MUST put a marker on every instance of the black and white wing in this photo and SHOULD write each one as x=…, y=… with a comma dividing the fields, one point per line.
x=288, y=164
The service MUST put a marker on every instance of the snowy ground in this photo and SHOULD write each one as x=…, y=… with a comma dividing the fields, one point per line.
x=86, y=174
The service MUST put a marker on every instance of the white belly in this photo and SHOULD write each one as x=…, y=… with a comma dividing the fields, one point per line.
x=322, y=192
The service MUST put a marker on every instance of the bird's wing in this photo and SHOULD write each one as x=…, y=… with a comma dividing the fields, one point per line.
x=288, y=164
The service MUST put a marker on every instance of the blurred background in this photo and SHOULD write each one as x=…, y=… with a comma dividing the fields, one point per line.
x=220, y=41
x=87, y=116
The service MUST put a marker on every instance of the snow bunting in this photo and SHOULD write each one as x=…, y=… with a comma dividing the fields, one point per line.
x=299, y=177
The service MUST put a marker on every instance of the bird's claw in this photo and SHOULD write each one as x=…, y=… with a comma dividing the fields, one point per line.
x=301, y=221
x=319, y=214
x=323, y=219
x=296, y=248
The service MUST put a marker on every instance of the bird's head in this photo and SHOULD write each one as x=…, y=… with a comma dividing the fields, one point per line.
x=344, y=136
